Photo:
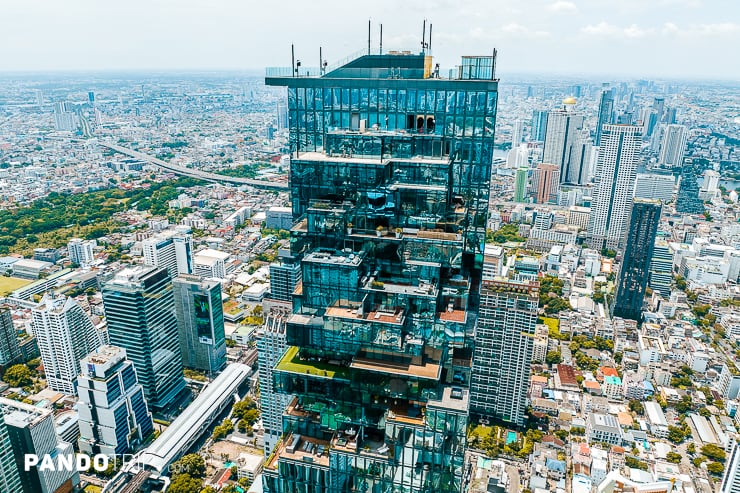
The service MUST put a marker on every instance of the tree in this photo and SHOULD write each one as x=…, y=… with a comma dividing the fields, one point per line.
x=684, y=405
x=184, y=483
x=715, y=468
x=713, y=452
x=691, y=448
x=636, y=406
x=18, y=376
x=553, y=358
x=635, y=463
x=191, y=464
x=673, y=457
x=676, y=434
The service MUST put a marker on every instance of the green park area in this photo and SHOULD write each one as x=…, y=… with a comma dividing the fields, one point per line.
x=10, y=284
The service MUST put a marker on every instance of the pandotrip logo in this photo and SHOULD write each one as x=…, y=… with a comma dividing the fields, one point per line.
x=68, y=463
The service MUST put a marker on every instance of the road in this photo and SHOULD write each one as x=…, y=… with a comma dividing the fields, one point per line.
x=194, y=173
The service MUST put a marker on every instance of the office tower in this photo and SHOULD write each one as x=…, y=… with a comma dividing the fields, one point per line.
x=520, y=184
x=655, y=186
x=669, y=116
x=617, y=166
x=545, y=181
x=517, y=133
x=633, y=276
x=661, y=268
x=285, y=275
x=200, y=323
x=31, y=431
x=140, y=309
x=539, y=125
x=731, y=477
x=271, y=345
x=10, y=353
x=64, y=119
x=673, y=146
x=282, y=116
x=10, y=479
x=65, y=334
x=171, y=250
x=688, y=200
x=380, y=344
x=563, y=128
x=81, y=251
x=710, y=186
x=580, y=170
x=91, y=97
x=606, y=113
x=113, y=413
x=503, y=349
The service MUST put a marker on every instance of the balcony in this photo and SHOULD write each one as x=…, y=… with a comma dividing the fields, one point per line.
x=301, y=449
x=425, y=370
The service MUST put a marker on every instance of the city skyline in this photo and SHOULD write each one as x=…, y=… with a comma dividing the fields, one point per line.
x=543, y=36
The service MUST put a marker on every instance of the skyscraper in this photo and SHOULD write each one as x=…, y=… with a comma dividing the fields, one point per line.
x=661, y=268
x=65, y=334
x=731, y=478
x=606, y=113
x=517, y=133
x=520, y=184
x=200, y=323
x=31, y=431
x=271, y=346
x=10, y=353
x=171, y=250
x=545, y=181
x=64, y=119
x=673, y=146
x=112, y=409
x=285, y=275
x=633, y=276
x=539, y=125
x=10, y=479
x=140, y=310
x=380, y=344
x=615, y=181
x=503, y=349
x=563, y=128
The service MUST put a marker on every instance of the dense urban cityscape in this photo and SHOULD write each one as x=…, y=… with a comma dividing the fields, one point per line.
x=374, y=275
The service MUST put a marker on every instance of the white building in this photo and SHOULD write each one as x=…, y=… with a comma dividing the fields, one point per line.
x=210, y=263
x=656, y=419
x=81, y=251
x=562, y=141
x=731, y=479
x=112, y=409
x=673, y=146
x=172, y=250
x=65, y=335
x=654, y=186
x=603, y=428
x=615, y=181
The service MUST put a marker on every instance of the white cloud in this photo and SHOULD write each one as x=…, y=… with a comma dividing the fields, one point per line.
x=634, y=31
x=701, y=30
x=669, y=28
x=606, y=30
x=516, y=29
x=562, y=6
x=601, y=29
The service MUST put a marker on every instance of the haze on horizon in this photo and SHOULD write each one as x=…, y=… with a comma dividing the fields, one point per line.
x=655, y=38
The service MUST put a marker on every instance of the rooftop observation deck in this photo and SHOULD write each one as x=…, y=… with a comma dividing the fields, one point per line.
x=389, y=65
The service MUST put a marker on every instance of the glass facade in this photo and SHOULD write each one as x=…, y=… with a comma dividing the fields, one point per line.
x=390, y=178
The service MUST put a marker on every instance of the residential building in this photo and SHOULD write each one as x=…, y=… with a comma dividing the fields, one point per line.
x=65, y=335
x=731, y=478
x=563, y=128
x=172, y=250
x=31, y=431
x=655, y=186
x=50, y=255
x=81, y=252
x=615, y=181
x=285, y=275
x=279, y=218
x=633, y=277
x=539, y=125
x=200, y=323
x=210, y=263
x=673, y=146
x=606, y=113
x=140, y=310
x=503, y=349
x=545, y=181
x=10, y=479
x=661, y=268
x=378, y=388
x=10, y=352
x=520, y=184
x=113, y=415
x=603, y=428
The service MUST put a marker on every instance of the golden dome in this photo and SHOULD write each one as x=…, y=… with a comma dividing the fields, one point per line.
x=569, y=100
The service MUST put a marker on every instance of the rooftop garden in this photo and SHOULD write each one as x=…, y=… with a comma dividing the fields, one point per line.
x=293, y=363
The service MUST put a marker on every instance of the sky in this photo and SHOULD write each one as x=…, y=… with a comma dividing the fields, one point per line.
x=632, y=38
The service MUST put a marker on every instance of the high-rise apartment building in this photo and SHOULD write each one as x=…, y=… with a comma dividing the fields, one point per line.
x=31, y=431
x=285, y=275
x=563, y=128
x=10, y=353
x=520, y=184
x=271, y=345
x=661, y=268
x=140, y=310
x=503, y=349
x=731, y=477
x=517, y=133
x=171, y=250
x=113, y=413
x=606, y=113
x=673, y=146
x=81, y=251
x=545, y=182
x=380, y=344
x=65, y=119
x=655, y=186
x=615, y=181
x=10, y=479
x=200, y=323
x=65, y=334
x=633, y=277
